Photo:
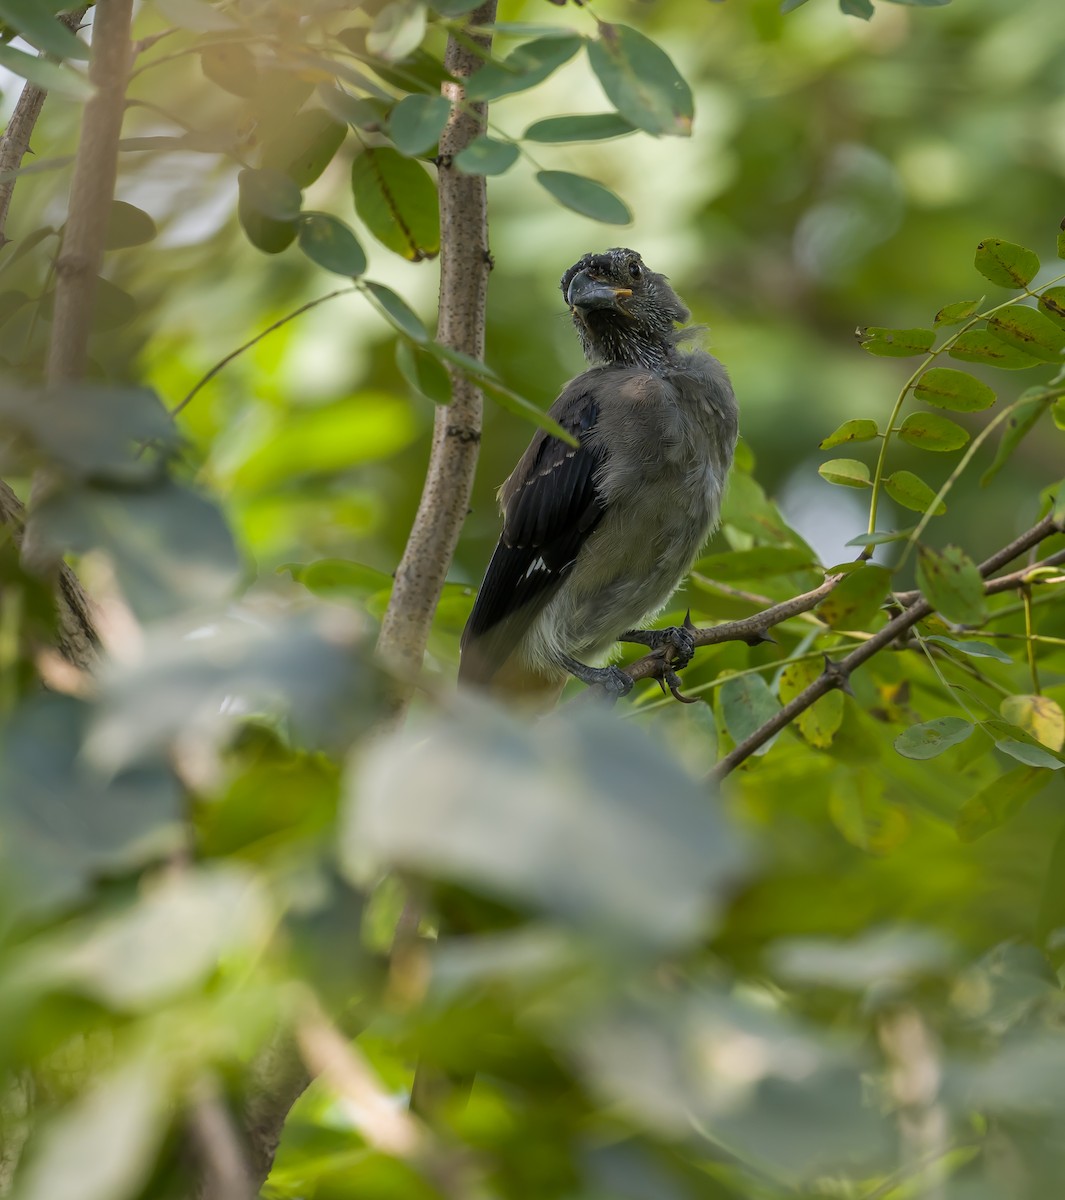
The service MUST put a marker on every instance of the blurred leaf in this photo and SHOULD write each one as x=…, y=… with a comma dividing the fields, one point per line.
x=585, y=196
x=905, y=488
x=357, y=111
x=196, y=15
x=973, y=648
x=270, y=193
x=417, y=122
x=957, y=313
x=760, y=562
x=40, y=27
x=397, y=30
x=396, y=309
x=590, y=127
x=396, y=199
x=846, y=471
x=931, y=738
x=424, y=373
x=526, y=66
x=952, y=584
x=788, y=6
x=302, y=149
x=102, y=1145
x=1028, y=330
x=1038, y=715
x=518, y=405
x=1018, y=424
x=982, y=346
x=332, y=577
x=331, y=244
x=746, y=705
x=857, y=8
x=850, y=431
x=929, y=431
x=640, y=80
x=128, y=226
x=50, y=76
x=487, y=156
x=1007, y=264
x=232, y=66
x=882, y=955
x=584, y=818
x=994, y=804
x=12, y=302
x=1032, y=756
x=896, y=343
x=943, y=387
x=821, y=721
x=855, y=600
x=454, y=8
x=170, y=547
x=1052, y=303
x=66, y=823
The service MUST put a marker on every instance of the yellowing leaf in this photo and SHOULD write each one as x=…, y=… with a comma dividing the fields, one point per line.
x=1038, y=715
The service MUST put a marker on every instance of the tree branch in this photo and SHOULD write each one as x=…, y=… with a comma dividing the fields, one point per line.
x=464, y=267
x=838, y=674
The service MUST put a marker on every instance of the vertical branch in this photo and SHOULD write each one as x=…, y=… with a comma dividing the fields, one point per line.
x=464, y=267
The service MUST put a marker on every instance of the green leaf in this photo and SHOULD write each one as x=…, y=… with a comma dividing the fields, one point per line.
x=993, y=805
x=896, y=343
x=1052, y=302
x=1037, y=715
x=328, y=242
x=50, y=76
x=487, y=156
x=878, y=538
x=857, y=8
x=232, y=66
x=746, y=705
x=1032, y=756
x=397, y=200
x=425, y=374
x=417, y=122
x=952, y=584
x=1005, y=263
x=943, y=387
x=332, y=577
x=819, y=723
x=519, y=406
x=357, y=111
x=523, y=68
x=788, y=6
x=398, y=311
x=1058, y=413
x=972, y=649
x=760, y=562
x=270, y=193
x=127, y=226
x=591, y=127
x=397, y=31
x=585, y=196
x=930, y=431
x=905, y=488
x=856, y=599
x=1018, y=424
x=982, y=346
x=640, y=80
x=195, y=15
x=1061, y=245
x=957, y=313
x=846, y=471
x=931, y=738
x=1028, y=330
x=304, y=146
x=851, y=431
x=41, y=28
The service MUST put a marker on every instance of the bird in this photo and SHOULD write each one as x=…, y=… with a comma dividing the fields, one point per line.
x=598, y=535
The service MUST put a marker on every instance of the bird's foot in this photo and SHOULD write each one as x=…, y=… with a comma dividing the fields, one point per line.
x=613, y=680
x=676, y=644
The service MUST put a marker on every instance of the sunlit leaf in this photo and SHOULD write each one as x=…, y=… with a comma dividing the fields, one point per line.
x=819, y=723
x=1038, y=715
x=195, y=15
x=905, y=488
x=591, y=127
x=931, y=738
x=417, y=122
x=585, y=196
x=487, y=156
x=1028, y=330
x=524, y=67
x=952, y=584
x=232, y=66
x=943, y=387
x=396, y=199
x=1005, y=263
x=846, y=471
x=982, y=346
x=929, y=431
x=850, y=431
x=397, y=30
x=896, y=343
x=331, y=244
x=640, y=80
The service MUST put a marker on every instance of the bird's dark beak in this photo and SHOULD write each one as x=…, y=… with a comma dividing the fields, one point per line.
x=587, y=293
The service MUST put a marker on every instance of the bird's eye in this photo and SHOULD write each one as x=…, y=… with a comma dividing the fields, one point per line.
x=634, y=270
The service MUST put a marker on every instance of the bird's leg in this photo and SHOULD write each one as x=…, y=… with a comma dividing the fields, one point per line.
x=612, y=680
x=676, y=645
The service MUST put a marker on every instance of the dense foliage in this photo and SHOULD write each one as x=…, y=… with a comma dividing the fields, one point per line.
x=831, y=971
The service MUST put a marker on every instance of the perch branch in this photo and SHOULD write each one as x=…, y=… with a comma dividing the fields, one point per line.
x=464, y=267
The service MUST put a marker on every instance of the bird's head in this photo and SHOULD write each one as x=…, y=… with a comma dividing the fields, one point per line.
x=624, y=312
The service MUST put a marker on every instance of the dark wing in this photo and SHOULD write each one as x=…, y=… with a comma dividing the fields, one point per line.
x=550, y=506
